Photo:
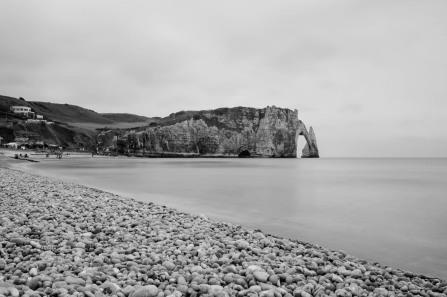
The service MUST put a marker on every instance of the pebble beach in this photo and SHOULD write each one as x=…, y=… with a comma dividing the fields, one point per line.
x=62, y=239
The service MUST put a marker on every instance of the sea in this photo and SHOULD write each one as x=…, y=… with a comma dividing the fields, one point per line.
x=391, y=211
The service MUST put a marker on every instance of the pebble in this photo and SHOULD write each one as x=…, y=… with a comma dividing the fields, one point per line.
x=253, y=268
x=20, y=241
x=128, y=290
x=169, y=265
x=175, y=294
x=33, y=283
x=242, y=245
x=337, y=278
x=269, y=293
x=35, y=244
x=33, y=271
x=59, y=284
x=63, y=240
x=71, y=280
x=146, y=291
x=261, y=276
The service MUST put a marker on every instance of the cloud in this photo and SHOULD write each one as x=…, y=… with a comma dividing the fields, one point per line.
x=339, y=63
x=351, y=108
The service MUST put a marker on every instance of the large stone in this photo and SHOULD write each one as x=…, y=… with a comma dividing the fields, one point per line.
x=20, y=240
x=71, y=280
x=33, y=283
x=253, y=268
x=13, y=292
x=261, y=276
x=4, y=291
x=33, y=271
x=215, y=288
x=337, y=279
x=175, y=294
x=268, y=293
x=242, y=245
x=128, y=290
x=59, y=284
x=169, y=265
x=35, y=244
x=146, y=291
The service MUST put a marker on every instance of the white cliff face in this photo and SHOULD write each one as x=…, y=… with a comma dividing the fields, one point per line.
x=267, y=132
x=276, y=132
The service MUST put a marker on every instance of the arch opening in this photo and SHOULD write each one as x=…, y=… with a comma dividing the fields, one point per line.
x=244, y=154
x=310, y=149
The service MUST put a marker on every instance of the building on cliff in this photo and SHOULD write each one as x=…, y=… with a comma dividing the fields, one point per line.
x=266, y=132
x=22, y=110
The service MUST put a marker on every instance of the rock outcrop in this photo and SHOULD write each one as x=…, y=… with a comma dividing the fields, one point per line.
x=239, y=131
x=310, y=150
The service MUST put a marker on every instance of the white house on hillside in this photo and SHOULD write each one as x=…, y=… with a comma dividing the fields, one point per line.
x=22, y=110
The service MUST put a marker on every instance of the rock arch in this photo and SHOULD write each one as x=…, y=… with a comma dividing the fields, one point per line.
x=310, y=150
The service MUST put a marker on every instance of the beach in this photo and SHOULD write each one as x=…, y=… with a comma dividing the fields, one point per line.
x=36, y=155
x=63, y=239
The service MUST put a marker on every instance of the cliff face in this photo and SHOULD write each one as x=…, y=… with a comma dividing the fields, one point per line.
x=243, y=131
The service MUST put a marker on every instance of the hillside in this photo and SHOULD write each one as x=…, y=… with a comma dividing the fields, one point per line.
x=65, y=136
x=79, y=132
x=67, y=113
x=6, y=102
x=124, y=117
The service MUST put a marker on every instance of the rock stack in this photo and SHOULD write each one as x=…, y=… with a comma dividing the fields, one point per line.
x=310, y=150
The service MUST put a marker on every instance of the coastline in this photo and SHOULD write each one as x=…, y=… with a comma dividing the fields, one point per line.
x=81, y=241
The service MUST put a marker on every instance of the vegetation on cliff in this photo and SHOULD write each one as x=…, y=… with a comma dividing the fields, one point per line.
x=71, y=126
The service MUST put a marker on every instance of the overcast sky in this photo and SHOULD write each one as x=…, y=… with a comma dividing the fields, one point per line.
x=369, y=76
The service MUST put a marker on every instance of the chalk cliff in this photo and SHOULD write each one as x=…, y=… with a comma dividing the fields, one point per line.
x=239, y=131
x=310, y=150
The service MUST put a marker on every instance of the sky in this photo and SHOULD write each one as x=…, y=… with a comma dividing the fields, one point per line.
x=369, y=76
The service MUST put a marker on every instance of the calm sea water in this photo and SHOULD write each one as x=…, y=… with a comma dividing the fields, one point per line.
x=392, y=211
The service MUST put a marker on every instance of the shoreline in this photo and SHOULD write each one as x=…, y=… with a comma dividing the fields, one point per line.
x=80, y=241
x=148, y=155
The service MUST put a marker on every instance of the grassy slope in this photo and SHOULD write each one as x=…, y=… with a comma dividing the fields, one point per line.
x=56, y=134
x=76, y=115
x=56, y=112
x=6, y=102
x=60, y=134
x=68, y=113
x=125, y=117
